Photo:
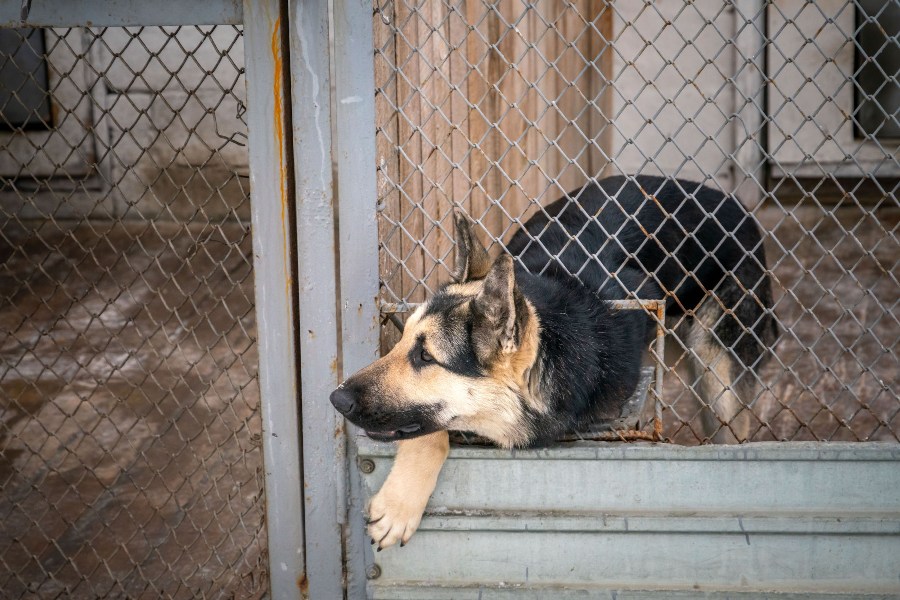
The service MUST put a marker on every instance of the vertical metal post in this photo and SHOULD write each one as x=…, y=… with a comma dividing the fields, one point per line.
x=750, y=67
x=273, y=241
x=354, y=86
x=324, y=459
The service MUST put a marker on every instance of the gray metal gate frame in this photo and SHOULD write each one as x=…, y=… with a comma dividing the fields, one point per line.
x=316, y=267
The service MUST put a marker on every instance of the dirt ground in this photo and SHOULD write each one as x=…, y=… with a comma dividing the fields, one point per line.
x=129, y=421
x=835, y=371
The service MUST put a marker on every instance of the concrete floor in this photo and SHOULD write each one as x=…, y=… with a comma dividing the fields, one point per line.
x=837, y=370
x=129, y=421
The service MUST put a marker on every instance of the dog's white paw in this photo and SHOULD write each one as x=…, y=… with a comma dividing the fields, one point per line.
x=394, y=517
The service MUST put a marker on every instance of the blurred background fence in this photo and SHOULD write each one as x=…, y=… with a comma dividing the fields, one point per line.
x=129, y=402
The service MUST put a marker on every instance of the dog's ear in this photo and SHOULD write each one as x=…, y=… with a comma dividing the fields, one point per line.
x=472, y=260
x=499, y=312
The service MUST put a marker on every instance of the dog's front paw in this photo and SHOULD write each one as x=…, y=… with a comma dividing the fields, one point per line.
x=394, y=516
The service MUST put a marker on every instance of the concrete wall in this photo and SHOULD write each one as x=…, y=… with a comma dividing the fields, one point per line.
x=811, y=64
x=173, y=98
x=673, y=100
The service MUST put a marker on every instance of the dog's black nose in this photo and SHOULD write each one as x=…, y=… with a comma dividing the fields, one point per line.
x=343, y=400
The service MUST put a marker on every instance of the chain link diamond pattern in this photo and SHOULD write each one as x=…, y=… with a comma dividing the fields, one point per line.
x=130, y=426
x=500, y=108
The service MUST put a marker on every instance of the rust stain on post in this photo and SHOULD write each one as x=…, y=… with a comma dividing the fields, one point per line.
x=278, y=122
x=303, y=585
x=660, y=368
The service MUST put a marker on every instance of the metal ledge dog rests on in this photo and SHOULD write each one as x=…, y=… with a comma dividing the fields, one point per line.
x=520, y=351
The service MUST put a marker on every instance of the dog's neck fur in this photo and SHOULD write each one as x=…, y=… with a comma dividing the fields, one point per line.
x=576, y=363
x=571, y=359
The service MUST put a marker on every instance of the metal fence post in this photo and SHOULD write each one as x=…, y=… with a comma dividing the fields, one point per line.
x=750, y=42
x=324, y=464
x=273, y=241
x=354, y=87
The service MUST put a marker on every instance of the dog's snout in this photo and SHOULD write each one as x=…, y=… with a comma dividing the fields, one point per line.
x=344, y=400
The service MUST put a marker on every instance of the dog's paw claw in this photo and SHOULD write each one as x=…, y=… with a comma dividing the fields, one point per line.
x=398, y=521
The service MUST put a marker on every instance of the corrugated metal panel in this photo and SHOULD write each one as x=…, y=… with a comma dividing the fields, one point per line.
x=650, y=520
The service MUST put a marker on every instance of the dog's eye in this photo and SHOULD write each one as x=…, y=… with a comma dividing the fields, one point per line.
x=426, y=357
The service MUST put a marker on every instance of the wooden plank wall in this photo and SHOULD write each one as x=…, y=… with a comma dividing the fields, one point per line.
x=492, y=107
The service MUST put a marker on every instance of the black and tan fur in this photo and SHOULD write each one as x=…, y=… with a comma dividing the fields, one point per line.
x=520, y=351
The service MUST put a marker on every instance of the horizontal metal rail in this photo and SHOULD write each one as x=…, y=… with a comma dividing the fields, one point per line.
x=119, y=13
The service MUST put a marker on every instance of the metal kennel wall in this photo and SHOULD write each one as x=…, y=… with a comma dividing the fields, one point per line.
x=365, y=124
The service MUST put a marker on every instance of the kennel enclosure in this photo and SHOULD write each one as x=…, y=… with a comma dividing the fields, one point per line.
x=210, y=215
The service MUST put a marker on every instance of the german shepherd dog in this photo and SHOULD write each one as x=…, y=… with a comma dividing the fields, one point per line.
x=524, y=348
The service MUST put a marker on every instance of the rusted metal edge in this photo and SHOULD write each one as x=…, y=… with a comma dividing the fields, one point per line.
x=272, y=207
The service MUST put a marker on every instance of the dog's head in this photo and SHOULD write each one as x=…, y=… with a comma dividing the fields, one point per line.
x=462, y=363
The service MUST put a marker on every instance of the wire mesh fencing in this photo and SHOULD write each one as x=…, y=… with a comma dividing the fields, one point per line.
x=130, y=423
x=498, y=109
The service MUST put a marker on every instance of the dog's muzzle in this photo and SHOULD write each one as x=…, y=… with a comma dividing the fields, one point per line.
x=347, y=402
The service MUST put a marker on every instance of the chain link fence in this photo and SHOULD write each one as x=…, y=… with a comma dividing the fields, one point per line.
x=130, y=420
x=498, y=109
x=130, y=423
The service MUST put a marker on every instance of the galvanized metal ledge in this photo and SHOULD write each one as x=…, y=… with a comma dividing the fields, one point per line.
x=401, y=591
x=757, y=451
x=650, y=520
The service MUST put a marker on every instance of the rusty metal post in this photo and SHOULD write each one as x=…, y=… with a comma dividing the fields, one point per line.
x=273, y=253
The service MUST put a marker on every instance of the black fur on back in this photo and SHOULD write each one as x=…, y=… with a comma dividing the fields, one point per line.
x=686, y=239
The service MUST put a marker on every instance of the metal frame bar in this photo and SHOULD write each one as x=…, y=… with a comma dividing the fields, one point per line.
x=273, y=256
x=323, y=442
x=354, y=107
x=121, y=13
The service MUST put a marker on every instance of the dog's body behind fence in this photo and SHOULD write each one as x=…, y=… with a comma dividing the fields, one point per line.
x=652, y=238
x=523, y=353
